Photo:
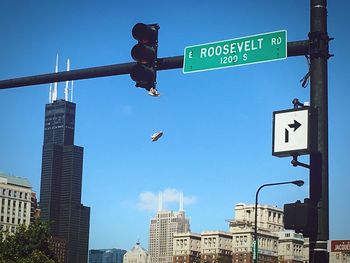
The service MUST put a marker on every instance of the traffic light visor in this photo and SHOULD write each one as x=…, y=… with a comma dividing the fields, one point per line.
x=143, y=75
x=145, y=33
x=143, y=54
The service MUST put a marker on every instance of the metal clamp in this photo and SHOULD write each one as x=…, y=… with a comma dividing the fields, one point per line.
x=319, y=45
x=296, y=163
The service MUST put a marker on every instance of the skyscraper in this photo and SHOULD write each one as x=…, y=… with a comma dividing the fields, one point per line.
x=61, y=181
x=162, y=229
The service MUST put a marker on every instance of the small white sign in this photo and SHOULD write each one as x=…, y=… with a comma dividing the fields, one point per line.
x=290, y=132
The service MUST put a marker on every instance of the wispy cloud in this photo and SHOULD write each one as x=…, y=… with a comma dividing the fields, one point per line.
x=148, y=201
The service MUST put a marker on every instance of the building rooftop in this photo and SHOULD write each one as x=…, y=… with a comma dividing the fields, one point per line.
x=14, y=180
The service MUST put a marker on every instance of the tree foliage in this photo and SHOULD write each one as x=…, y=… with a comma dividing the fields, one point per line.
x=27, y=245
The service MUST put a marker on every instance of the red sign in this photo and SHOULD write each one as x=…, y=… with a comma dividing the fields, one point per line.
x=340, y=246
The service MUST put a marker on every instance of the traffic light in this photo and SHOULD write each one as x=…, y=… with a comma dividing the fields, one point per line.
x=144, y=73
x=302, y=217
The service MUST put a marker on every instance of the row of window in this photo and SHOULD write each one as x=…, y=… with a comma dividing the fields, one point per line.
x=7, y=219
x=14, y=203
x=15, y=194
x=11, y=229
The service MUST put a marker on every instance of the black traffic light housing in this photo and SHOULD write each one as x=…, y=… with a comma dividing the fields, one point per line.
x=144, y=73
x=302, y=217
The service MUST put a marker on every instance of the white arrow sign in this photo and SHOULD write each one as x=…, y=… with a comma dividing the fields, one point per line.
x=290, y=132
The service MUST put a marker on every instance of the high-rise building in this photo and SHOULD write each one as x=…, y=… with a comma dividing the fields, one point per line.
x=15, y=202
x=61, y=181
x=162, y=229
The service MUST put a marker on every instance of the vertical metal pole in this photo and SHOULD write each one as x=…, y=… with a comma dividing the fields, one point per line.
x=319, y=54
x=255, y=244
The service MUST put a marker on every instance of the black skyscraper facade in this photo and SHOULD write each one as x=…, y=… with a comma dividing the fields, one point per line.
x=61, y=181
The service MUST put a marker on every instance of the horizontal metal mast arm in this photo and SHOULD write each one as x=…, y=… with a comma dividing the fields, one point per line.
x=297, y=48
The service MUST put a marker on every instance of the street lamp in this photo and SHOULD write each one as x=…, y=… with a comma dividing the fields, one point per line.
x=255, y=246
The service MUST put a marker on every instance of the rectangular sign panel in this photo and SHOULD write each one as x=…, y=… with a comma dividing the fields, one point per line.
x=234, y=52
x=340, y=246
x=291, y=132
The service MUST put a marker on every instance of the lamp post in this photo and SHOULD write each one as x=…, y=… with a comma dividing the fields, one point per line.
x=255, y=245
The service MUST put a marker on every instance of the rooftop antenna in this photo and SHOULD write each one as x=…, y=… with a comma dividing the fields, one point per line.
x=66, y=89
x=181, y=207
x=50, y=93
x=54, y=94
x=160, y=201
x=71, y=93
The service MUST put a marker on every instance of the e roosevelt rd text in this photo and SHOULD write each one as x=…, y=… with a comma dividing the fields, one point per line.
x=234, y=52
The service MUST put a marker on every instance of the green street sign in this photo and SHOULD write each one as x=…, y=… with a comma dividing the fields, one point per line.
x=236, y=52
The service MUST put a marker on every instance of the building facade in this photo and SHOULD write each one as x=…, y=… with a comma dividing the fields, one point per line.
x=61, y=181
x=15, y=202
x=290, y=247
x=269, y=223
x=137, y=255
x=216, y=246
x=186, y=247
x=162, y=229
x=269, y=217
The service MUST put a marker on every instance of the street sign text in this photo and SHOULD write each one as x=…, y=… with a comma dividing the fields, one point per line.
x=234, y=52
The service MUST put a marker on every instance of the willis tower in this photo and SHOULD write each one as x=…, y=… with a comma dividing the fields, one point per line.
x=61, y=182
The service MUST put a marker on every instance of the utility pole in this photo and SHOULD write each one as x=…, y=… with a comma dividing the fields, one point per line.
x=319, y=54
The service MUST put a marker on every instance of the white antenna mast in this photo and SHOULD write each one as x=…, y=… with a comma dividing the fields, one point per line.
x=160, y=201
x=50, y=93
x=66, y=90
x=181, y=207
x=54, y=94
x=71, y=93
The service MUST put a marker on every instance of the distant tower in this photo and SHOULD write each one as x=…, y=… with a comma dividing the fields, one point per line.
x=162, y=228
x=61, y=179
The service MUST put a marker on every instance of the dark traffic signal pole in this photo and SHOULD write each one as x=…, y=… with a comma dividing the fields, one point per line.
x=319, y=54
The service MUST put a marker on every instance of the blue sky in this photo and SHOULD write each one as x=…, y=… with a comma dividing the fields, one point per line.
x=217, y=125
